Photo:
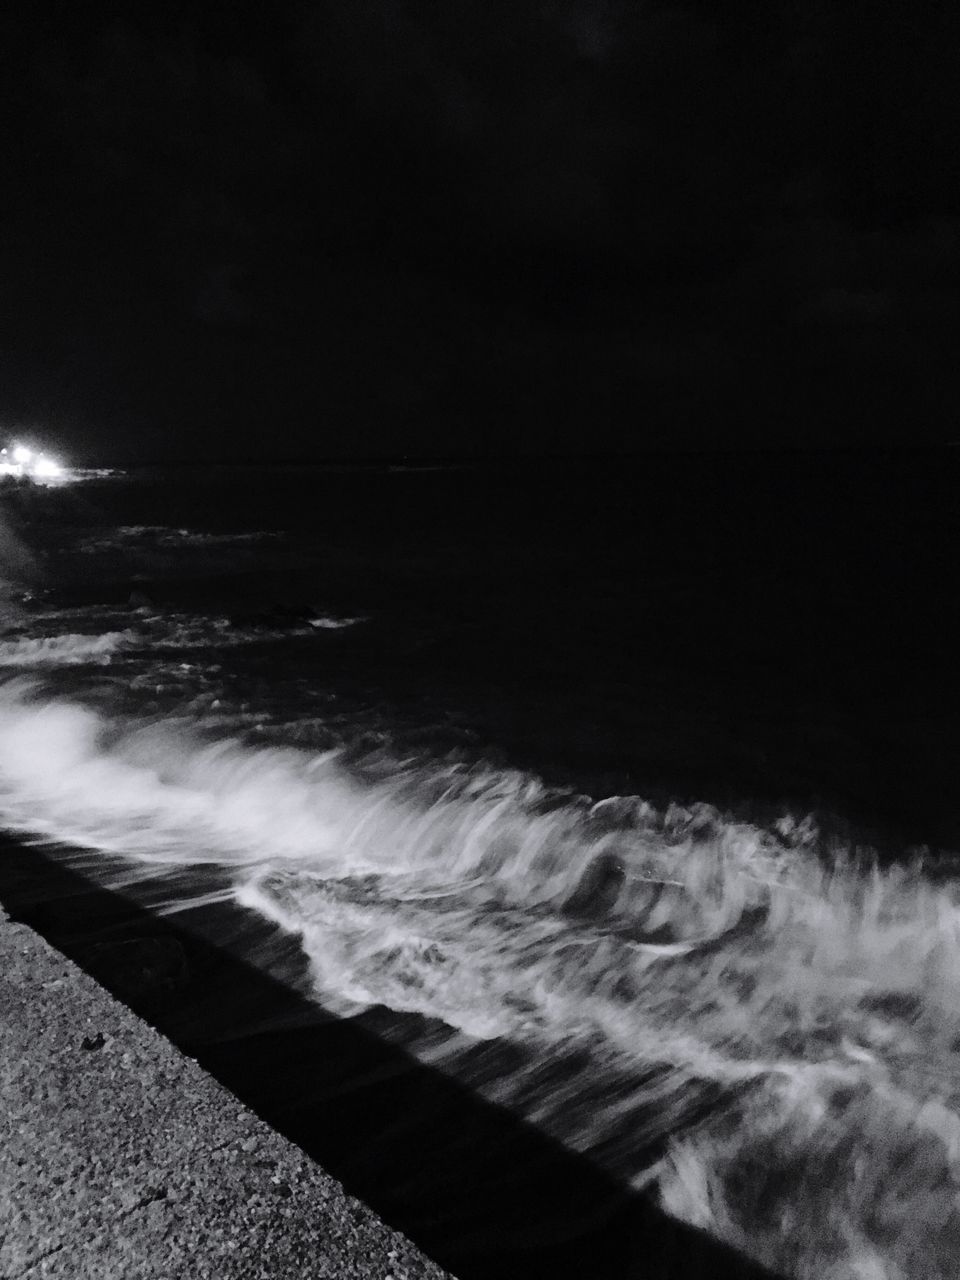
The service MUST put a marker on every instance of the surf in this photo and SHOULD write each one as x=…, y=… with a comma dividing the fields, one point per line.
x=759, y=1025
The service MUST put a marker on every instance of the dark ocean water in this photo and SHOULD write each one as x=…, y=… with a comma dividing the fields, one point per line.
x=622, y=794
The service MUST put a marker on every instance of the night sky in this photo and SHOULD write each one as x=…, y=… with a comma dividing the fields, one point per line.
x=479, y=227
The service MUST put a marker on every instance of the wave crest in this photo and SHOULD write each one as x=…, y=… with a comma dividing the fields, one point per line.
x=763, y=1028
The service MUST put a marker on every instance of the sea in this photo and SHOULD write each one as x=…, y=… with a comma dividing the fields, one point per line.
x=550, y=846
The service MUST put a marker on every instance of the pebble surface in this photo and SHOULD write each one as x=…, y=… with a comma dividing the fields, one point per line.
x=119, y=1157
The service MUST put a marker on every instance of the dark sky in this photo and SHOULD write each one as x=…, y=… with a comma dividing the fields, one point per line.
x=479, y=226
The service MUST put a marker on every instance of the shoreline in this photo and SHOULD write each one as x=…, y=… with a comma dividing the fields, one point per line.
x=120, y=1156
x=476, y=1189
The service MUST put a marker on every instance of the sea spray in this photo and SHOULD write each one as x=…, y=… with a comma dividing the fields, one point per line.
x=762, y=1030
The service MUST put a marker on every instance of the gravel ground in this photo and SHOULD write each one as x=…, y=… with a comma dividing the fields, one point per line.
x=119, y=1157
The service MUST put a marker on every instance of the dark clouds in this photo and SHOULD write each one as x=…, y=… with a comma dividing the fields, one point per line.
x=476, y=226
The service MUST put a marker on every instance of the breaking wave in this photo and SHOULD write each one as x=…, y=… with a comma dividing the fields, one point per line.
x=153, y=633
x=28, y=651
x=760, y=1026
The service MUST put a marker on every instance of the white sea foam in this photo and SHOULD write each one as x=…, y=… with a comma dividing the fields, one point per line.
x=328, y=622
x=156, y=535
x=154, y=630
x=641, y=963
x=33, y=651
x=191, y=630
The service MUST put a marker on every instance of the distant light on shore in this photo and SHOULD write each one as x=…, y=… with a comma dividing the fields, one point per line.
x=44, y=466
x=21, y=461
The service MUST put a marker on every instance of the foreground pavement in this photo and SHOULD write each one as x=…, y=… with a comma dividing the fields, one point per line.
x=119, y=1157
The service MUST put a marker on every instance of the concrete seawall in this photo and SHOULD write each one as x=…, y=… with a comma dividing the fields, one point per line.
x=120, y=1157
